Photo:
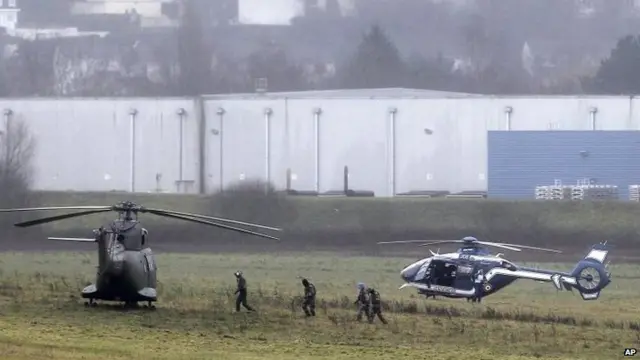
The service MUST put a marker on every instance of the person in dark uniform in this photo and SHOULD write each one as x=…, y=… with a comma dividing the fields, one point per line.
x=242, y=292
x=375, y=306
x=428, y=276
x=362, y=301
x=477, y=284
x=309, y=303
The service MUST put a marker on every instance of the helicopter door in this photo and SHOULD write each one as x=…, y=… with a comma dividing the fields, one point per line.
x=147, y=267
x=464, y=277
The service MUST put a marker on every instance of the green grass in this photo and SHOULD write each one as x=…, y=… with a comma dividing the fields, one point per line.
x=41, y=315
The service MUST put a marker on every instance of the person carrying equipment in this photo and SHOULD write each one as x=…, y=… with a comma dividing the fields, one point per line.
x=375, y=306
x=309, y=303
x=242, y=292
x=362, y=301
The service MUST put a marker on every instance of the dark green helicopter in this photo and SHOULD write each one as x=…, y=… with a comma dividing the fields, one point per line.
x=126, y=266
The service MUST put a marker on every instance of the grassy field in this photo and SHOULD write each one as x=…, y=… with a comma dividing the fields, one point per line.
x=42, y=317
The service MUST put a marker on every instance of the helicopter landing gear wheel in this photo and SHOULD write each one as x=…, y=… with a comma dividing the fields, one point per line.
x=589, y=278
x=90, y=303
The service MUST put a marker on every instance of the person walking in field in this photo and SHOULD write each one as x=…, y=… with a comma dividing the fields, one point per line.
x=375, y=306
x=309, y=302
x=241, y=291
x=362, y=301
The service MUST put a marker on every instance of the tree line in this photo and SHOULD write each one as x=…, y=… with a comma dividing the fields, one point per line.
x=38, y=68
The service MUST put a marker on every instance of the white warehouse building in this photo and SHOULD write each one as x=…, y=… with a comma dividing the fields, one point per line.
x=391, y=140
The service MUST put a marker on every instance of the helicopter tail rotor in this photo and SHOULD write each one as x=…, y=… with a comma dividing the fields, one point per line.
x=591, y=273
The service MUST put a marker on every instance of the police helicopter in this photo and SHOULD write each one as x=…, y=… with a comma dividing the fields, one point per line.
x=126, y=266
x=452, y=275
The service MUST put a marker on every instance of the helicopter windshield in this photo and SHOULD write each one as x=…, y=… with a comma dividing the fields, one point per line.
x=411, y=270
x=129, y=241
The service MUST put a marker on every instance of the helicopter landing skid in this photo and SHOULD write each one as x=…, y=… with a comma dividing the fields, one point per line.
x=150, y=306
x=134, y=305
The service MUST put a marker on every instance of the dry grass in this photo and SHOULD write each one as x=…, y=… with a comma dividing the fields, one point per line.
x=42, y=316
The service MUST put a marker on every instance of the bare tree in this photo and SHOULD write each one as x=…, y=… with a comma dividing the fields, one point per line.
x=17, y=148
x=16, y=153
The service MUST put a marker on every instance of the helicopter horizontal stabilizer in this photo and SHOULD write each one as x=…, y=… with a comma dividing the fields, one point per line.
x=72, y=239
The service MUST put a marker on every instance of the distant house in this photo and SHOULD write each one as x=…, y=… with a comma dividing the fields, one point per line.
x=282, y=12
x=152, y=13
x=9, y=14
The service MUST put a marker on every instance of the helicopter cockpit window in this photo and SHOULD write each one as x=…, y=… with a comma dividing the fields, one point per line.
x=423, y=270
x=144, y=236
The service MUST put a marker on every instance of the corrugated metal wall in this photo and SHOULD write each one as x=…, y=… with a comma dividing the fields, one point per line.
x=84, y=144
x=451, y=155
x=440, y=143
x=521, y=160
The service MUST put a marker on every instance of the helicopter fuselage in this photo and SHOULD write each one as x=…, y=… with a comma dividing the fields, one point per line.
x=126, y=265
x=453, y=275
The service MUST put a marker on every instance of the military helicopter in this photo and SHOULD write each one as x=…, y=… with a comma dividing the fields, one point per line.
x=452, y=273
x=126, y=266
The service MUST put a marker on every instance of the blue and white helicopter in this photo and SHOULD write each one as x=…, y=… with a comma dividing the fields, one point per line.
x=452, y=274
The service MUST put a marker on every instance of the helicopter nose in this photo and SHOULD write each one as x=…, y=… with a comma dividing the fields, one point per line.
x=404, y=274
x=116, y=267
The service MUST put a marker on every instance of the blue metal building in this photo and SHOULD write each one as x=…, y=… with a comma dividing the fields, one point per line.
x=518, y=161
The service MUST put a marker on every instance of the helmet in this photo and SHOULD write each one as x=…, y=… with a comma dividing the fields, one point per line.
x=238, y=273
x=469, y=238
x=361, y=286
x=305, y=282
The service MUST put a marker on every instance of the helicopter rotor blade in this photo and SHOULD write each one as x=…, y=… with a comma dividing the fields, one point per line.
x=427, y=243
x=474, y=242
x=404, y=242
x=57, y=208
x=529, y=247
x=498, y=245
x=71, y=239
x=213, y=218
x=200, y=221
x=59, y=217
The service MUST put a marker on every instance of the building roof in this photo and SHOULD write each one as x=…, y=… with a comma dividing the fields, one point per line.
x=392, y=93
